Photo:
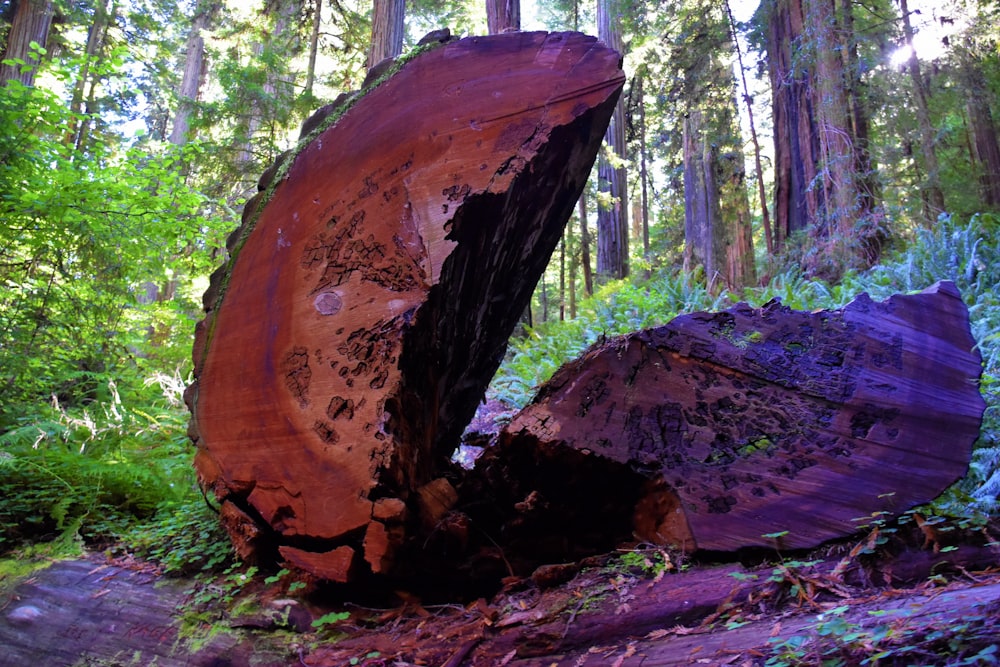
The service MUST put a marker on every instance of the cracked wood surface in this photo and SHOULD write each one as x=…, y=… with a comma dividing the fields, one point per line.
x=369, y=300
x=760, y=426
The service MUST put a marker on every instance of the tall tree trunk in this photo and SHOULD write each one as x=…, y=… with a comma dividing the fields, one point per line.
x=31, y=23
x=574, y=264
x=985, y=151
x=387, y=31
x=612, y=203
x=503, y=15
x=934, y=195
x=313, y=47
x=643, y=174
x=588, y=274
x=730, y=174
x=830, y=103
x=704, y=231
x=562, y=277
x=95, y=43
x=818, y=186
x=194, y=71
x=795, y=146
x=758, y=167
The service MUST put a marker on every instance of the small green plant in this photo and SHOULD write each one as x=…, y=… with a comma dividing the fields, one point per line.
x=650, y=562
x=326, y=621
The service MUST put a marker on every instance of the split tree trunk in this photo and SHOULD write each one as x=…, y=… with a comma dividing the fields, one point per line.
x=749, y=427
x=372, y=290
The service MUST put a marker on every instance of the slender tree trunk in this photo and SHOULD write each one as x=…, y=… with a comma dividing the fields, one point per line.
x=194, y=72
x=387, y=30
x=31, y=23
x=574, y=263
x=643, y=174
x=588, y=275
x=503, y=15
x=758, y=167
x=84, y=88
x=612, y=205
x=934, y=193
x=313, y=48
x=562, y=277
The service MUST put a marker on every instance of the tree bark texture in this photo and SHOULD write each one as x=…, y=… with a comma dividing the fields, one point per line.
x=503, y=15
x=822, y=170
x=796, y=147
x=704, y=232
x=752, y=426
x=31, y=23
x=612, y=181
x=194, y=72
x=372, y=289
x=985, y=148
x=387, y=30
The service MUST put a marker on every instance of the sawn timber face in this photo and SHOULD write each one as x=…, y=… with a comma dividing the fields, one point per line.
x=771, y=427
x=366, y=311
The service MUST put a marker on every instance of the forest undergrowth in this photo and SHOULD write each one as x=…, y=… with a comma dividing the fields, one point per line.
x=114, y=471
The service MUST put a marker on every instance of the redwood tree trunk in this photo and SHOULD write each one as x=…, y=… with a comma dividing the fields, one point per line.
x=387, y=30
x=612, y=182
x=31, y=23
x=503, y=15
x=821, y=179
x=704, y=231
x=985, y=149
x=372, y=289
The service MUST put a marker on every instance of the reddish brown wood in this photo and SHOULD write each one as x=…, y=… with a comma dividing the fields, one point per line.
x=754, y=422
x=370, y=297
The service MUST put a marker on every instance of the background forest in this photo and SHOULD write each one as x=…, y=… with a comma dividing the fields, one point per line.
x=801, y=149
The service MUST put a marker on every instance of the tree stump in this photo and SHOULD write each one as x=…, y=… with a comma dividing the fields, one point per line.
x=748, y=427
x=372, y=289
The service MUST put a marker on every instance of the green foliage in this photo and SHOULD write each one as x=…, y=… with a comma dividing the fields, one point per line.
x=332, y=618
x=87, y=238
x=649, y=562
x=90, y=472
x=183, y=537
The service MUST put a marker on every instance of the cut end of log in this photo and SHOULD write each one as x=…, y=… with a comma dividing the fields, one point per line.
x=373, y=286
x=753, y=423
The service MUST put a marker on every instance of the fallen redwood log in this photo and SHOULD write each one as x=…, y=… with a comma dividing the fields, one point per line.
x=372, y=289
x=747, y=427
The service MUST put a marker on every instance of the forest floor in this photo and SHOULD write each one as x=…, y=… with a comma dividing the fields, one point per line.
x=897, y=603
